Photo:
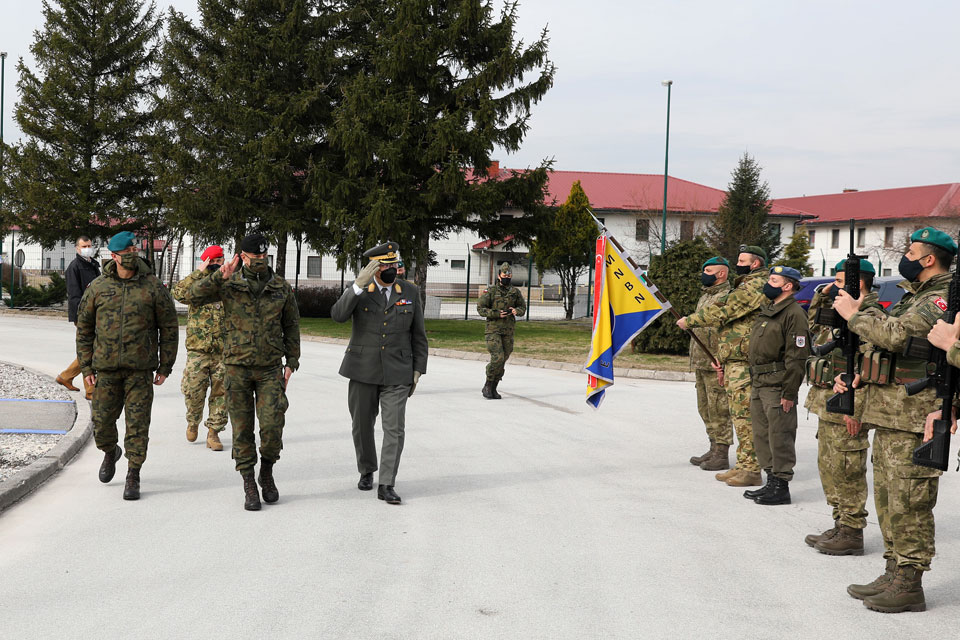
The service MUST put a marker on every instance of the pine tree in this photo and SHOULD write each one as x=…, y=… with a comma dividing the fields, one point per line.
x=249, y=93
x=85, y=115
x=743, y=216
x=431, y=89
x=796, y=254
x=565, y=244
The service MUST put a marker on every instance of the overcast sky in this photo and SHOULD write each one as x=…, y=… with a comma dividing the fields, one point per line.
x=825, y=94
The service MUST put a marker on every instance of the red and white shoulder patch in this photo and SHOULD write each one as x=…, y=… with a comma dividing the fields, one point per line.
x=940, y=302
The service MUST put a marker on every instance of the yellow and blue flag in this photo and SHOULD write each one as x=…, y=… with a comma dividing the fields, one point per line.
x=624, y=304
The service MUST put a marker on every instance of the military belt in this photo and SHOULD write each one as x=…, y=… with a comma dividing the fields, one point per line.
x=770, y=367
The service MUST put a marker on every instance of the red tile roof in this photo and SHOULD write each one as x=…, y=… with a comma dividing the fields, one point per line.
x=936, y=200
x=487, y=244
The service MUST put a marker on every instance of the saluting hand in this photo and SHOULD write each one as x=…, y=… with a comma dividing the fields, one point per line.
x=203, y=265
x=366, y=274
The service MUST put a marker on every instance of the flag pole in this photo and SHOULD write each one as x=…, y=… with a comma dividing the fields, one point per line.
x=657, y=293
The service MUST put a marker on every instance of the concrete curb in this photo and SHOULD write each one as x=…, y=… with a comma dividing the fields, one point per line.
x=40, y=470
x=639, y=374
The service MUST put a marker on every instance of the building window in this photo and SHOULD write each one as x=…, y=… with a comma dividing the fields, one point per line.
x=506, y=216
x=61, y=263
x=686, y=230
x=861, y=237
x=270, y=261
x=313, y=266
x=888, y=237
x=458, y=264
x=887, y=272
x=813, y=237
x=63, y=244
x=835, y=239
x=48, y=264
x=643, y=230
x=776, y=227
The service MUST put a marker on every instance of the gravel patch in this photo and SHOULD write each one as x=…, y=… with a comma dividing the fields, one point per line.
x=20, y=450
x=17, y=382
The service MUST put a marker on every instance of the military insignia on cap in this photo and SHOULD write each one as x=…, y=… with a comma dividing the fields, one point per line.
x=801, y=341
x=925, y=234
x=778, y=269
x=743, y=248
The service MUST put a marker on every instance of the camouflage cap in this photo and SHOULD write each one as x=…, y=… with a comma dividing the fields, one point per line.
x=121, y=241
x=786, y=272
x=506, y=269
x=755, y=250
x=937, y=238
x=387, y=253
x=865, y=266
x=716, y=260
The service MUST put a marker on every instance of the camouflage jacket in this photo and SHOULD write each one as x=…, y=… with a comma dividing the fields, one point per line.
x=259, y=330
x=204, y=321
x=735, y=316
x=820, y=334
x=127, y=324
x=953, y=355
x=708, y=335
x=496, y=299
x=780, y=338
x=922, y=305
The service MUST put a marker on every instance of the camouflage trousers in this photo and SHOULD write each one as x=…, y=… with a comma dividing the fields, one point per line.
x=905, y=495
x=500, y=346
x=713, y=407
x=129, y=391
x=203, y=371
x=842, y=460
x=260, y=390
x=737, y=385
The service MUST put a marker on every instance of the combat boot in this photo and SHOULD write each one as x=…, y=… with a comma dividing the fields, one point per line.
x=267, y=484
x=131, y=490
x=813, y=538
x=905, y=593
x=779, y=493
x=696, y=460
x=745, y=478
x=213, y=440
x=109, y=465
x=717, y=460
x=493, y=390
x=726, y=475
x=753, y=494
x=847, y=542
x=486, y=390
x=192, y=432
x=861, y=591
x=251, y=495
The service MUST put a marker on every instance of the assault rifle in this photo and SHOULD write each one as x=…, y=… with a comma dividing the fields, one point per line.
x=946, y=378
x=848, y=341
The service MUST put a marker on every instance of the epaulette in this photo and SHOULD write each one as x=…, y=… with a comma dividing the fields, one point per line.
x=396, y=287
x=372, y=288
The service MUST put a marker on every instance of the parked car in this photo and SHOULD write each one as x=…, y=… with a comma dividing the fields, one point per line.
x=809, y=286
x=886, y=288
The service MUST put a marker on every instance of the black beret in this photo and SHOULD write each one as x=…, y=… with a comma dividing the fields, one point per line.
x=254, y=243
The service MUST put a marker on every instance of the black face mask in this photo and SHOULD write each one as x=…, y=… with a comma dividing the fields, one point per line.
x=708, y=279
x=505, y=282
x=771, y=291
x=387, y=276
x=910, y=269
x=742, y=269
x=213, y=267
x=832, y=294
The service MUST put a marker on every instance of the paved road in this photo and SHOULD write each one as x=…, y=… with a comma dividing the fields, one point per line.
x=533, y=517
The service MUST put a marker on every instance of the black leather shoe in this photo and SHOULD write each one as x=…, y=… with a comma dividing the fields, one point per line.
x=386, y=492
x=131, y=490
x=753, y=494
x=778, y=494
x=366, y=482
x=109, y=465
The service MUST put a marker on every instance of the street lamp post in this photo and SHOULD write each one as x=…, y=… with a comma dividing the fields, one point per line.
x=666, y=160
x=3, y=72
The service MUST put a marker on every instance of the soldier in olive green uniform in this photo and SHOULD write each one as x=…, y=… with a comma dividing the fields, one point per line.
x=842, y=442
x=127, y=328
x=711, y=397
x=734, y=319
x=779, y=346
x=262, y=328
x=905, y=494
x=204, y=366
x=500, y=305
x=386, y=356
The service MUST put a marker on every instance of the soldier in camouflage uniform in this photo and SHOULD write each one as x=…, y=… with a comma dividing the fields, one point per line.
x=711, y=397
x=734, y=319
x=905, y=494
x=842, y=442
x=262, y=328
x=500, y=305
x=204, y=366
x=127, y=328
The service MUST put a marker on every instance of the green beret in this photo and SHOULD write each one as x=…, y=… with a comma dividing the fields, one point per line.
x=786, y=272
x=715, y=260
x=755, y=250
x=121, y=241
x=937, y=238
x=865, y=266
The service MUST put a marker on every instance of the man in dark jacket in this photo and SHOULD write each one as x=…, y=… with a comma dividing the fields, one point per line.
x=79, y=274
x=385, y=358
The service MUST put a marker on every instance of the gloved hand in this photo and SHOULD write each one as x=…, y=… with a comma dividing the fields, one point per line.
x=366, y=274
x=416, y=379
